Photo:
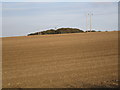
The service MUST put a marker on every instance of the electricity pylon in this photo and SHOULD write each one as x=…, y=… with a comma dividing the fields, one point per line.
x=87, y=22
x=91, y=22
x=89, y=14
x=55, y=28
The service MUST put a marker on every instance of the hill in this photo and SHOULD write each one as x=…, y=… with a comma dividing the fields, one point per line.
x=75, y=60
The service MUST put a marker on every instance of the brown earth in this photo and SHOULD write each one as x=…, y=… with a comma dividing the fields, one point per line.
x=80, y=60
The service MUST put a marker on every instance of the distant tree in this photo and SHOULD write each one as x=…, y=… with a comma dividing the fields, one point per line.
x=93, y=31
x=68, y=30
x=58, y=31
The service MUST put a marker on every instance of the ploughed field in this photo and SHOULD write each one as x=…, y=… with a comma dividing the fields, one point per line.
x=79, y=60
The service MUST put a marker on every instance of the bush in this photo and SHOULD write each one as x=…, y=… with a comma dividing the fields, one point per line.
x=33, y=34
x=91, y=31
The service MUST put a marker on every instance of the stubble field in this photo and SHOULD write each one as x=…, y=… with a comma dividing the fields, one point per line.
x=80, y=60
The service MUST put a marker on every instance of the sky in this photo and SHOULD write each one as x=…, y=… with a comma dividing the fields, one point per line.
x=60, y=0
x=21, y=18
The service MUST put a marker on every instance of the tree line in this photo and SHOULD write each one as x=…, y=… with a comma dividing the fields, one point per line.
x=59, y=31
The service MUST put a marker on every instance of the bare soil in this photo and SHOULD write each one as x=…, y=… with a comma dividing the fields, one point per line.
x=79, y=60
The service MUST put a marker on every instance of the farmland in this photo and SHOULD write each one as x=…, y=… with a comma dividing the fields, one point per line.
x=79, y=60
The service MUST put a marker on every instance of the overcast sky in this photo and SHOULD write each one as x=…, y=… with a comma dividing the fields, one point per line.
x=21, y=18
x=60, y=0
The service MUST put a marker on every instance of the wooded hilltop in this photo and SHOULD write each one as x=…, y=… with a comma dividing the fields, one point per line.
x=59, y=31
